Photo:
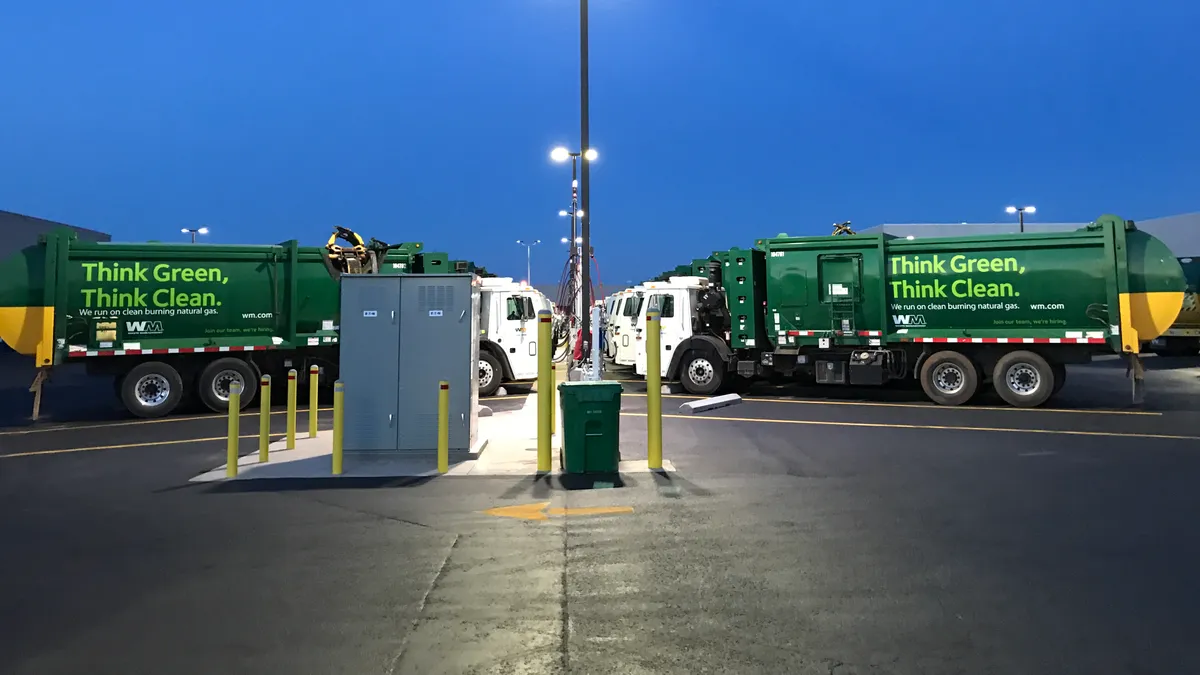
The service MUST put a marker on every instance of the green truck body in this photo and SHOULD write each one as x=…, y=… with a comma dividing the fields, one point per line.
x=863, y=309
x=117, y=305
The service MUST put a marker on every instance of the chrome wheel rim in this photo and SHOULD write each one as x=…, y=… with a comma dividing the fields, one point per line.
x=701, y=372
x=152, y=390
x=1023, y=379
x=949, y=378
x=222, y=383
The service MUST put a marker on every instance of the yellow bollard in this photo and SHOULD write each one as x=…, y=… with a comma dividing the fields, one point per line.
x=545, y=392
x=553, y=397
x=235, y=416
x=654, y=390
x=264, y=419
x=443, y=426
x=339, y=399
x=314, y=374
x=291, y=411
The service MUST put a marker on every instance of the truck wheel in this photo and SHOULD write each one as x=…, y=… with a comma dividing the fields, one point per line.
x=702, y=373
x=490, y=374
x=151, y=389
x=215, y=381
x=1023, y=379
x=949, y=378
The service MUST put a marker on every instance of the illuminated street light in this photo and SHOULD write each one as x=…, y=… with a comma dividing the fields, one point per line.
x=194, y=232
x=528, y=257
x=1021, y=211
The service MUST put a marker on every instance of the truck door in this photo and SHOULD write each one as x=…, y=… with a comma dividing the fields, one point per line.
x=626, y=349
x=485, y=314
x=520, y=335
x=672, y=310
x=840, y=276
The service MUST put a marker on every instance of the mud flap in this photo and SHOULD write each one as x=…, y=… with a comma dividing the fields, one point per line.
x=43, y=374
x=1137, y=374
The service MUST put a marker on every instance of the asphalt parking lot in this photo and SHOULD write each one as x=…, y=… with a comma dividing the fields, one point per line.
x=863, y=533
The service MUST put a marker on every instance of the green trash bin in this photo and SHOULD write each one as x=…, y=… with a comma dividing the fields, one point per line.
x=591, y=420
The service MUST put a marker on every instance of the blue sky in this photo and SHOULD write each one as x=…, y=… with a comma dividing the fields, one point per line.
x=717, y=121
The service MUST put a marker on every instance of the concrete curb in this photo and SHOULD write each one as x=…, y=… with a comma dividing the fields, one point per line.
x=707, y=404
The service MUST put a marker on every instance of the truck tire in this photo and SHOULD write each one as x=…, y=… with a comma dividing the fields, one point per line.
x=215, y=380
x=490, y=374
x=151, y=389
x=1023, y=379
x=949, y=378
x=702, y=373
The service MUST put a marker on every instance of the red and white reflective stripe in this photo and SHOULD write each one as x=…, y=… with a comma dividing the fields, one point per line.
x=75, y=351
x=870, y=333
x=1033, y=340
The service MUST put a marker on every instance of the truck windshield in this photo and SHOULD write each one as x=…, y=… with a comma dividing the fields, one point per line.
x=664, y=304
x=633, y=307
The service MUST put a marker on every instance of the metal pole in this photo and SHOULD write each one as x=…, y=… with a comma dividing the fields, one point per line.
x=528, y=269
x=235, y=417
x=193, y=233
x=585, y=174
x=595, y=343
x=290, y=443
x=1021, y=217
x=544, y=386
x=264, y=419
x=574, y=200
x=339, y=402
x=314, y=375
x=573, y=284
x=443, y=439
x=653, y=391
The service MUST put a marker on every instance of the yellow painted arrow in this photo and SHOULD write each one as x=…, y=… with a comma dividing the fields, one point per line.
x=539, y=511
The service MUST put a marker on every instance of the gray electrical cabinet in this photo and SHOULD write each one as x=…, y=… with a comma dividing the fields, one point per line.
x=400, y=335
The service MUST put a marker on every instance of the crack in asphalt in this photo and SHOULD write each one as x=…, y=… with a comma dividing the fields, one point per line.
x=421, y=606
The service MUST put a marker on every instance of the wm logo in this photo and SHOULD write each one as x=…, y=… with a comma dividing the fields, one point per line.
x=143, y=327
x=908, y=319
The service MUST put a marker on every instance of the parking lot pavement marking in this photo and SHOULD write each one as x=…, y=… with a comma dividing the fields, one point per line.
x=539, y=511
x=249, y=412
x=134, y=423
x=927, y=406
x=122, y=446
x=933, y=427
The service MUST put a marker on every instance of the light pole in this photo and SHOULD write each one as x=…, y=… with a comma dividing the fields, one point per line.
x=585, y=178
x=1021, y=211
x=194, y=232
x=528, y=257
x=577, y=215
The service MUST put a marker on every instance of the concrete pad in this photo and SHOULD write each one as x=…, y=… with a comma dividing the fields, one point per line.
x=484, y=411
x=510, y=438
x=711, y=403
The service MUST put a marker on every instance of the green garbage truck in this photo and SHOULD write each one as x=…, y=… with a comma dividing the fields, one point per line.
x=954, y=313
x=167, y=321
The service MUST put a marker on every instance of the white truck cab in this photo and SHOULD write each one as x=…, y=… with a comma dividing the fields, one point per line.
x=675, y=299
x=612, y=307
x=507, y=332
x=626, y=328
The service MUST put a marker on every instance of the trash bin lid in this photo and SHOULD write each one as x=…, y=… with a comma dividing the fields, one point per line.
x=590, y=391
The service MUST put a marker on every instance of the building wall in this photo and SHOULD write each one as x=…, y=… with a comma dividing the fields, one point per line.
x=1180, y=233
x=20, y=231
